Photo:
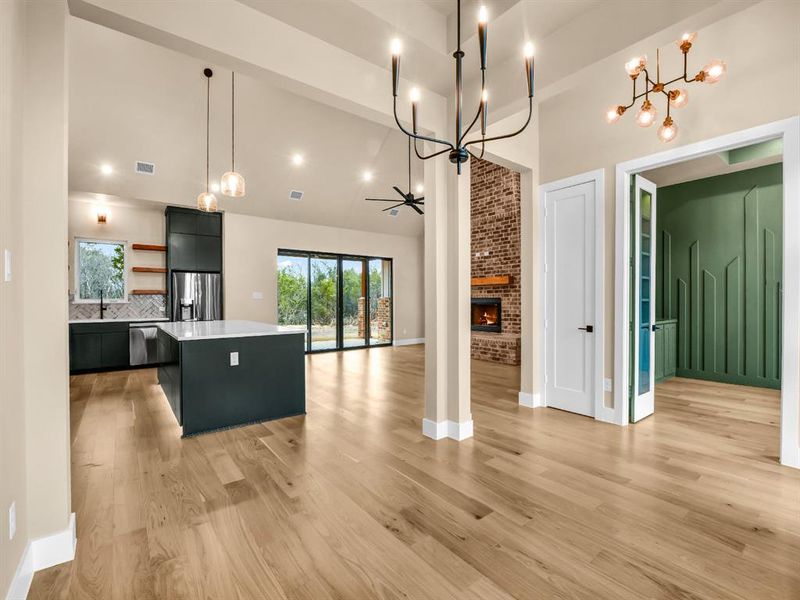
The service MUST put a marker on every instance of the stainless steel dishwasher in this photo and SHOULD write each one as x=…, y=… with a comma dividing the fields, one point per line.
x=143, y=343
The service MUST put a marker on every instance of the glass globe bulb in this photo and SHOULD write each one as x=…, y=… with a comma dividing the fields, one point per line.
x=678, y=98
x=647, y=115
x=685, y=41
x=207, y=202
x=715, y=70
x=232, y=184
x=667, y=131
x=613, y=113
x=635, y=65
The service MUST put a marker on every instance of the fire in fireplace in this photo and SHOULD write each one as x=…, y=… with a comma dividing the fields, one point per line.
x=486, y=314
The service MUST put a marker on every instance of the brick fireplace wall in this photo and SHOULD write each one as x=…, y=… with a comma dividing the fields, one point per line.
x=495, y=204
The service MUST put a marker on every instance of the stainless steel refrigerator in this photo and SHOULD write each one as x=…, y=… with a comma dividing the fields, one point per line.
x=196, y=296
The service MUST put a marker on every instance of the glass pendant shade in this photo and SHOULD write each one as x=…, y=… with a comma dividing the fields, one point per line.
x=207, y=202
x=635, y=65
x=668, y=131
x=678, y=98
x=647, y=115
x=714, y=71
x=232, y=184
x=613, y=113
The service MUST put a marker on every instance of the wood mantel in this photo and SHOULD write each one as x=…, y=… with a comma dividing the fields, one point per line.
x=495, y=280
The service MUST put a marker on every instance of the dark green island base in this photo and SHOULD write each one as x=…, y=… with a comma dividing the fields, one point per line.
x=208, y=391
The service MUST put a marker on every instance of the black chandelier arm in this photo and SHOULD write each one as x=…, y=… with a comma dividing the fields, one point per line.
x=422, y=157
x=508, y=135
x=477, y=156
x=478, y=113
x=414, y=135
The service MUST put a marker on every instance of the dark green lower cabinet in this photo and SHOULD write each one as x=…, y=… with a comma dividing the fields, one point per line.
x=666, y=349
x=94, y=346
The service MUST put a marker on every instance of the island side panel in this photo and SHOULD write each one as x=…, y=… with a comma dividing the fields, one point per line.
x=268, y=383
x=169, y=371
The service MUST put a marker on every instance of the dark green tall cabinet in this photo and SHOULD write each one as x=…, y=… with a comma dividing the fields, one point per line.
x=194, y=242
x=719, y=270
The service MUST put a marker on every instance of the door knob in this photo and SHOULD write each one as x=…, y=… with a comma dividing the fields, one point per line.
x=587, y=329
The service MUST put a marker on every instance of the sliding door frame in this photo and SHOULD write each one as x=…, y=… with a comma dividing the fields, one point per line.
x=339, y=258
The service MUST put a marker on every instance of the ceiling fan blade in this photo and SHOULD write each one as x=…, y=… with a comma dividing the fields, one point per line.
x=399, y=191
x=420, y=199
x=391, y=207
x=416, y=208
x=379, y=200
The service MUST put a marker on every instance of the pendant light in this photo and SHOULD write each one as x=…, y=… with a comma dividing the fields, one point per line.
x=207, y=202
x=232, y=183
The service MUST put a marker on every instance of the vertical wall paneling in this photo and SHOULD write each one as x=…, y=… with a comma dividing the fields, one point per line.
x=720, y=274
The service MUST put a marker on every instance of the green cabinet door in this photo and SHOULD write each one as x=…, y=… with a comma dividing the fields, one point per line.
x=115, y=350
x=182, y=250
x=181, y=221
x=209, y=224
x=208, y=253
x=85, y=351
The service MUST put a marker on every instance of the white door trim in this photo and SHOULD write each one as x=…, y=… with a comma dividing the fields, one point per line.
x=789, y=131
x=601, y=412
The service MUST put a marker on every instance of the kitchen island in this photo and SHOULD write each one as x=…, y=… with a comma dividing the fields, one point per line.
x=220, y=374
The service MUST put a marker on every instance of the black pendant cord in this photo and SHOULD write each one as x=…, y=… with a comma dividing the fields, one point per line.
x=208, y=122
x=233, y=122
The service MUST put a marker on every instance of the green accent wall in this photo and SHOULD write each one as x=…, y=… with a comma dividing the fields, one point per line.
x=719, y=267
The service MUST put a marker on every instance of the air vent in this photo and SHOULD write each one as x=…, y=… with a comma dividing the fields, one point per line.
x=394, y=212
x=295, y=195
x=145, y=168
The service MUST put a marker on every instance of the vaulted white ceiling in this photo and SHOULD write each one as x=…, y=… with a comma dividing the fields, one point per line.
x=133, y=100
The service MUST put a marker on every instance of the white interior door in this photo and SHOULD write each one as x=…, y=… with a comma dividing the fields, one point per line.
x=570, y=300
x=644, y=299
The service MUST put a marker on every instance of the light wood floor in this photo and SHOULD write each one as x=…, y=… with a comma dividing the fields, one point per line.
x=351, y=502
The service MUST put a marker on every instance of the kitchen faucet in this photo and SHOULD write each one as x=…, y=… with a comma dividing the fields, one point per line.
x=103, y=308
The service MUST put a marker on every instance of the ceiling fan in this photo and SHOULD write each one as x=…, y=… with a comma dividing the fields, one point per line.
x=408, y=199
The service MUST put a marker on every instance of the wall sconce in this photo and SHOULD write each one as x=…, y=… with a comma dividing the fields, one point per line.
x=102, y=214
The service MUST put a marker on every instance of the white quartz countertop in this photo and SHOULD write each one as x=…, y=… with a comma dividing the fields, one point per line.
x=185, y=331
x=134, y=320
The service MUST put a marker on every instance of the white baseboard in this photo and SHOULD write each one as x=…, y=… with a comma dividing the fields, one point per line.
x=791, y=459
x=447, y=429
x=530, y=400
x=436, y=430
x=42, y=553
x=409, y=342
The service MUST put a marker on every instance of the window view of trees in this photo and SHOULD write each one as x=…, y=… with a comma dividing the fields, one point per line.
x=101, y=268
x=292, y=292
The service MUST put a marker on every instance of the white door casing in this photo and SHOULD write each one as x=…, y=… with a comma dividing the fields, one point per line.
x=570, y=316
x=644, y=300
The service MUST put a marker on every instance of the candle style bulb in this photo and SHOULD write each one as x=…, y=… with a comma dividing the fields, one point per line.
x=484, y=111
x=528, y=54
x=483, y=18
x=396, y=47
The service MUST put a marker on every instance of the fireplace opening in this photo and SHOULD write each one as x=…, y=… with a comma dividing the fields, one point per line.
x=486, y=314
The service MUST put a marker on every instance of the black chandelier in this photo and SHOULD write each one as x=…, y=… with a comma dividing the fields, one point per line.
x=459, y=152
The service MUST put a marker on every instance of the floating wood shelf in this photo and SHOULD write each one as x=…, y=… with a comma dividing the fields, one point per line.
x=149, y=292
x=151, y=247
x=149, y=269
x=496, y=280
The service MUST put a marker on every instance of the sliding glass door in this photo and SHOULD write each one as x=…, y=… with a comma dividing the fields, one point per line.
x=340, y=301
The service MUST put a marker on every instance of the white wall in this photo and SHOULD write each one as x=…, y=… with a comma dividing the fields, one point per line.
x=134, y=224
x=761, y=46
x=250, y=257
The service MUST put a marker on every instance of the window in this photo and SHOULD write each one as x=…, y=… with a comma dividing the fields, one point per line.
x=100, y=269
x=339, y=301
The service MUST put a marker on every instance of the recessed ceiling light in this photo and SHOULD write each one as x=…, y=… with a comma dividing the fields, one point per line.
x=106, y=169
x=297, y=159
x=367, y=176
x=215, y=187
x=420, y=188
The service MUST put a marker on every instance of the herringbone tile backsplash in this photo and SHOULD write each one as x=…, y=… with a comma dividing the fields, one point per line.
x=137, y=307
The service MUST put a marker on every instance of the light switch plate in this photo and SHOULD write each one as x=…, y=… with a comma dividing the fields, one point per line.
x=12, y=520
x=7, y=265
x=234, y=359
x=608, y=385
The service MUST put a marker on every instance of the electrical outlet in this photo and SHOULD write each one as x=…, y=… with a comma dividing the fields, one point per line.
x=258, y=295
x=12, y=520
x=7, y=265
x=234, y=359
x=608, y=385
